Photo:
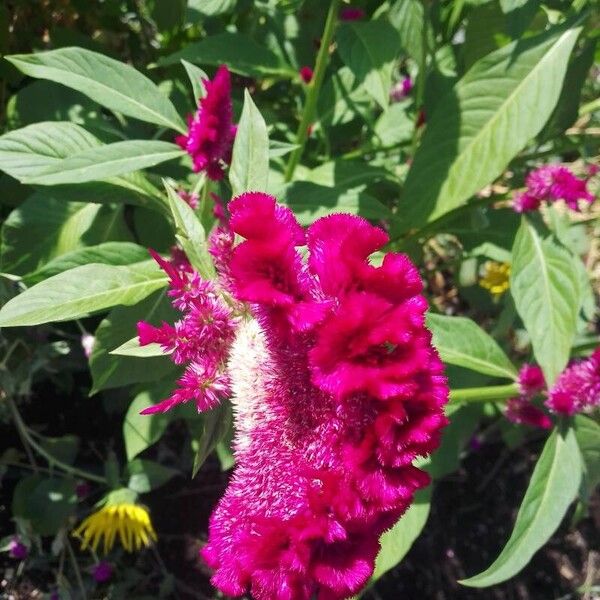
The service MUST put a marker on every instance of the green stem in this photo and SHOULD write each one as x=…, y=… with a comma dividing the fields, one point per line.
x=590, y=107
x=29, y=441
x=75, y=568
x=484, y=394
x=314, y=87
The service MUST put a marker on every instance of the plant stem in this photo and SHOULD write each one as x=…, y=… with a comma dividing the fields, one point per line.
x=29, y=442
x=314, y=87
x=420, y=91
x=75, y=568
x=484, y=394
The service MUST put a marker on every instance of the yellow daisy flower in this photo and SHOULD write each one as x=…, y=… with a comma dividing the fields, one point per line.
x=128, y=519
x=495, y=277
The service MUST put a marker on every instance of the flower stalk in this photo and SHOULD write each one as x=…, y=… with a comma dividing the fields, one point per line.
x=484, y=394
x=313, y=89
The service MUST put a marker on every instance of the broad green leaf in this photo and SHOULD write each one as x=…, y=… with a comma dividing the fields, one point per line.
x=544, y=283
x=107, y=161
x=408, y=17
x=310, y=201
x=460, y=341
x=249, y=170
x=109, y=253
x=113, y=84
x=58, y=227
x=31, y=150
x=396, y=542
x=132, y=348
x=190, y=234
x=144, y=475
x=587, y=432
x=211, y=8
x=490, y=115
x=196, y=76
x=394, y=126
x=369, y=50
x=82, y=291
x=346, y=174
x=142, y=431
x=215, y=425
x=484, y=29
x=110, y=371
x=239, y=52
x=552, y=488
x=63, y=448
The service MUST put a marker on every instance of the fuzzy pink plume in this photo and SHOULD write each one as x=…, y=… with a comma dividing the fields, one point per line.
x=211, y=131
x=336, y=391
x=200, y=339
x=521, y=410
x=577, y=388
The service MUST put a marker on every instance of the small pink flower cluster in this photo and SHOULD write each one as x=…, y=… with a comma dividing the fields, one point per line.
x=211, y=131
x=550, y=183
x=577, y=387
x=336, y=391
x=401, y=90
x=521, y=410
x=200, y=339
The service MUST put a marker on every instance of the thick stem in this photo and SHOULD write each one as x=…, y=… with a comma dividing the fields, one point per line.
x=484, y=394
x=29, y=442
x=314, y=87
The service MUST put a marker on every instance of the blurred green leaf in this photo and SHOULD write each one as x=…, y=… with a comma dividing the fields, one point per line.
x=408, y=17
x=146, y=475
x=207, y=434
x=111, y=83
x=196, y=76
x=249, y=169
x=82, y=291
x=63, y=448
x=394, y=125
x=552, y=488
x=545, y=286
x=460, y=341
x=587, y=432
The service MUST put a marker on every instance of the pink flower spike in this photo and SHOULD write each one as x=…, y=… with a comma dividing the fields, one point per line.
x=577, y=388
x=531, y=380
x=402, y=89
x=520, y=410
x=306, y=74
x=211, y=131
x=524, y=202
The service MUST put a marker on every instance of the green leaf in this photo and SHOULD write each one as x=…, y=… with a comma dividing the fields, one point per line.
x=369, y=50
x=132, y=348
x=109, y=253
x=239, y=52
x=211, y=8
x=142, y=431
x=485, y=26
x=33, y=149
x=196, y=76
x=394, y=126
x=396, y=542
x=115, y=85
x=587, y=432
x=490, y=115
x=552, y=488
x=110, y=371
x=63, y=448
x=460, y=341
x=310, y=201
x=81, y=291
x=544, y=283
x=107, y=161
x=144, y=475
x=215, y=425
x=190, y=234
x=249, y=169
x=408, y=17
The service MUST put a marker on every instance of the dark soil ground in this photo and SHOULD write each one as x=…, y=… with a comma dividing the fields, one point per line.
x=471, y=518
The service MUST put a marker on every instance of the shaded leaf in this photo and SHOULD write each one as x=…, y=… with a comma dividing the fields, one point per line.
x=145, y=475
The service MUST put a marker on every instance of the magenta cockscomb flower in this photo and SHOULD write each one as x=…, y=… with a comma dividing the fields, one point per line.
x=531, y=380
x=200, y=339
x=577, y=388
x=402, y=89
x=17, y=549
x=211, y=131
x=306, y=74
x=550, y=183
x=102, y=572
x=336, y=390
x=352, y=13
x=520, y=410
x=190, y=198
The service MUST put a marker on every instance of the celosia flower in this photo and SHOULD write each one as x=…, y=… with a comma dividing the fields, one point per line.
x=531, y=380
x=118, y=516
x=200, y=339
x=17, y=549
x=336, y=390
x=577, y=388
x=102, y=572
x=496, y=277
x=352, y=13
x=549, y=183
x=211, y=131
x=190, y=198
x=520, y=410
x=306, y=74
x=402, y=89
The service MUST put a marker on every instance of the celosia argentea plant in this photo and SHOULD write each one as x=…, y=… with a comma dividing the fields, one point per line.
x=339, y=262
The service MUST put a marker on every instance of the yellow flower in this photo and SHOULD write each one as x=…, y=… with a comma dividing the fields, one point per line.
x=131, y=521
x=495, y=277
